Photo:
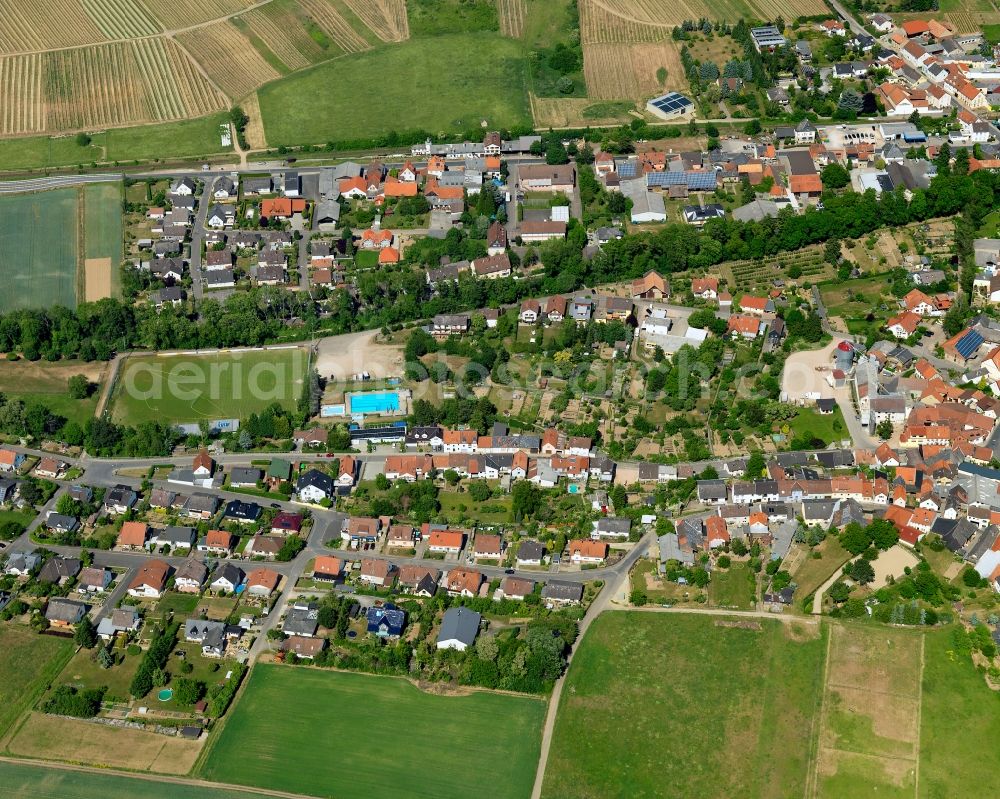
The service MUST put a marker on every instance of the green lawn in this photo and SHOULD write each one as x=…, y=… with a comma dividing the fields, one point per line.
x=992, y=33
x=436, y=17
x=160, y=142
x=674, y=705
x=732, y=587
x=813, y=572
x=441, y=84
x=344, y=735
x=856, y=298
x=809, y=423
x=452, y=502
x=188, y=388
x=38, y=249
x=38, y=782
x=28, y=662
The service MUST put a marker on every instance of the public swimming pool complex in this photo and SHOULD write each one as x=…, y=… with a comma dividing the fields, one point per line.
x=371, y=403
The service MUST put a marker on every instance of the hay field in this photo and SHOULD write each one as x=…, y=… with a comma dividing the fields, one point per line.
x=76, y=741
x=229, y=58
x=387, y=18
x=564, y=112
x=28, y=662
x=614, y=71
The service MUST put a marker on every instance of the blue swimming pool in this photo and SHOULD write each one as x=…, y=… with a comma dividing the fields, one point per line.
x=375, y=402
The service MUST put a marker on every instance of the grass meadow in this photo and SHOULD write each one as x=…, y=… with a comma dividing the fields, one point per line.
x=675, y=705
x=28, y=662
x=342, y=735
x=47, y=382
x=103, y=222
x=223, y=385
x=39, y=249
x=190, y=138
x=442, y=84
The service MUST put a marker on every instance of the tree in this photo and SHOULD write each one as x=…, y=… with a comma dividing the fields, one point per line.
x=861, y=571
x=188, y=691
x=526, y=499
x=884, y=429
x=755, y=465
x=839, y=592
x=661, y=75
x=970, y=577
x=451, y=477
x=565, y=85
x=85, y=634
x=82, y=140
x=883, y=533
x=382, y=483
x=79, y=387
x=619, y=497
x=835, y=176
x=752, y=128
x=850, y=101
x=954, y=321
x=855, y=538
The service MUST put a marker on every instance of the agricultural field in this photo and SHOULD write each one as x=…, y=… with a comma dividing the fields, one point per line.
x=27, y=663
x=811, y=572
x=26, y=27
x=189, y=388
x=388, y=19
x=668, y=13
x=869, y=726
x=185, y=13
x=229, y=58
x=102, y=239
x=804, y=264
x=77, y=741
x=614, y=71
x=121, y=19
x=654, y=694
x=23, y=781
x=512, y=13
x=115, y=84
x=459, y=746
x=39, y=269
x=443, y=91
x=48, y=382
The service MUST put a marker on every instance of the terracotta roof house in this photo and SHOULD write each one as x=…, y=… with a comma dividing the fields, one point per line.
x=376, y=571
x=327, y=568
x=650, y=286
x=150, y=580
x=262, y=582
x=586, y=550
x=133, y=535
x=464, y=582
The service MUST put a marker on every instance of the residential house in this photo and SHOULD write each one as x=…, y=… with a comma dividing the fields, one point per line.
x=133, y=535
x=226, y=579
x=585, y=550
x=261, y=583
x=64, y=613
x=459, y=629
x=190, y=576
x=150, y=580
x=377, y=572
x=385, y=621
x=314, y=486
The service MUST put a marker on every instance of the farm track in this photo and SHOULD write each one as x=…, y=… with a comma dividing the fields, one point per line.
x=160, y=778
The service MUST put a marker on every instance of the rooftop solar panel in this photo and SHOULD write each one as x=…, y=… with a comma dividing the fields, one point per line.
x=627, y=169
x=969, y=343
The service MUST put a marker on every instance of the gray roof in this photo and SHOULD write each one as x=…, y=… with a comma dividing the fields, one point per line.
x=65, y=610
x=670, y=549
x=227, y=571
x=459, y=624
x=192, y=569
x=568, y=592
x=176, y=536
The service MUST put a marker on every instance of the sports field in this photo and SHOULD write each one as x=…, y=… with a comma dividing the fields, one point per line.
x=220, y=385
x=28, y=662
x=436, y=84
x=343, y=735
x=38, y=249
x=677, y=703
x=22, y=781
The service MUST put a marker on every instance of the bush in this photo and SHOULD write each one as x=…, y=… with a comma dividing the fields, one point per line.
x=724, y=562
x=68, y=701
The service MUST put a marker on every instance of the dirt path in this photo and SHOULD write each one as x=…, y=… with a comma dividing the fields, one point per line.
x=602, y=603
x=920, y=711
x=110, y=378
x=812, y=781
x=817, y=608
x=193, y=783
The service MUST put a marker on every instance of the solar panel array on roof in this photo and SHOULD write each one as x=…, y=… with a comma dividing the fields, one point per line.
x=628, y=169
x=693, y=180
x=969, y=343
x=671, y=103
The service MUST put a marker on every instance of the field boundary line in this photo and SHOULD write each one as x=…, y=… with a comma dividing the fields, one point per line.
x=869, y=755
x=920, y=712
x=812, y=786
x=148, y=777
x=894, y=694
